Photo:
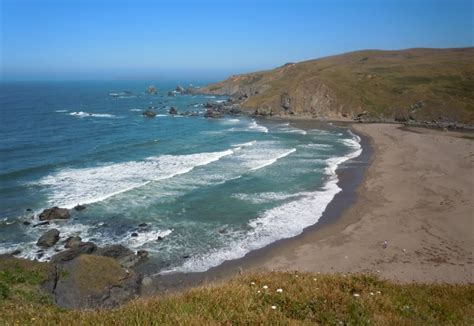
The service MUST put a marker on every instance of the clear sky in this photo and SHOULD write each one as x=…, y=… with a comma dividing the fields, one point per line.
x=95, y=39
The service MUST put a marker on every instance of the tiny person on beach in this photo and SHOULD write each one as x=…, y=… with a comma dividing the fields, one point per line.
x=385, y=244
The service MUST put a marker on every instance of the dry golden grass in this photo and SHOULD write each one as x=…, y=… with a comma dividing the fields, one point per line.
x=384, y=83
x=304, y=299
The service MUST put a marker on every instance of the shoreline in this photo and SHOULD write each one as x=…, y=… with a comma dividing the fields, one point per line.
x=416, y=196
x=350, y=174
x=420, y=249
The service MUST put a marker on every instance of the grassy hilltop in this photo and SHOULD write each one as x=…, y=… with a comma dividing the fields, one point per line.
x=269, y=298
x=417, y=84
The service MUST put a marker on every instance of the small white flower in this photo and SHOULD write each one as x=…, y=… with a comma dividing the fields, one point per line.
x=258, y=291
x=296, y=275
x=274, y=307
x=371, y=293
x=315, y=279
x=265, y=287
x=378, y=292
x=279, y=290
x=356, y=295
x=252, y=283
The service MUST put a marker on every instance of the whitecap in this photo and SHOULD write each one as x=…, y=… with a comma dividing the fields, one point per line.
x=83, y=114
x=284, y=221
x=264, y=197
x=144, y=237
x=253, y=126
x=88, y=185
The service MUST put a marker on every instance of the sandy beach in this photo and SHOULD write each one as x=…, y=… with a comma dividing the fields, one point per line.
x=417, y=195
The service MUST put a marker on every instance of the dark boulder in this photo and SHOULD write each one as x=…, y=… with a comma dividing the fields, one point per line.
x=149, y=113
x=48, y=239
x=79, y=207
x=142, y=254
x=179, y=89
x=72, y=242
x=173, y=111
x=70, y=254
x=213, y=114
x=41, y=224
x=54, y=213
x=114, y=251
x=134, y=234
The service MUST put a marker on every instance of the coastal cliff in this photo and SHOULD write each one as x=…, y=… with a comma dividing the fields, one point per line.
x=419, y=85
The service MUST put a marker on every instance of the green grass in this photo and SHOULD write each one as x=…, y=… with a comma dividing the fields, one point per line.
x=306, y=299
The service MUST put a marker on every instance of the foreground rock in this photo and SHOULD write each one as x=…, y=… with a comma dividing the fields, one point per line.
x=54, y=213
x=91, y=281
x=72, y=242
x=74, y=252
x=48, y=239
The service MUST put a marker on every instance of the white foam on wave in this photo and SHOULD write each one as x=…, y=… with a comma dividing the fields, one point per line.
x=61, y=111
x=287, y=128
x=144, y=237
x=317, y=146
x=69, y=187
x=250, y=143
x=230, y=121
x=264, y=197
x=135, y=110
x=253, y=126
x=284, y=221
x=259, y=164
x=83, y=114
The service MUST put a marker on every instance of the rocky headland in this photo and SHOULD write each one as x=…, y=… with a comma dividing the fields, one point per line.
x=426, y=87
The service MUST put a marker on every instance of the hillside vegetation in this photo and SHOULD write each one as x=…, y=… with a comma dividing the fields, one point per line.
x=269, y=298
x=417, y=84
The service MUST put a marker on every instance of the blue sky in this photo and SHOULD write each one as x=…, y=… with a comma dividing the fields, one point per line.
x=102, y=39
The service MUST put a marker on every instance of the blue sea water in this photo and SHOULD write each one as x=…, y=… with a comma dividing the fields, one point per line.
x=210, y=189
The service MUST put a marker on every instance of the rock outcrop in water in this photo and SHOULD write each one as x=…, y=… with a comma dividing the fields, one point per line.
x=54, y=213
x=48, y=239
x=152, y=90
x=149, y=114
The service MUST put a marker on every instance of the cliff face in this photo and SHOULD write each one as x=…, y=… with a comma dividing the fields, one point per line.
x=415, y=84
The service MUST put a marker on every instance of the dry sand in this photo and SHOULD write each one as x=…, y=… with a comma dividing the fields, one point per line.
x=417, y=194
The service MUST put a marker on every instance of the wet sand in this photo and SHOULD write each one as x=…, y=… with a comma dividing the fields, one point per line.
x=417, y=195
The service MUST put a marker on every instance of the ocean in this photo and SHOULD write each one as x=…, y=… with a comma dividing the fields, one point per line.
x=195, y=191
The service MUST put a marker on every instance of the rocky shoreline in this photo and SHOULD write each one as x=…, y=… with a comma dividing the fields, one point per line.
x=84, y=275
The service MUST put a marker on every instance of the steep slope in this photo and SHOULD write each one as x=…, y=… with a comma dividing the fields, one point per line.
x=417, y=84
